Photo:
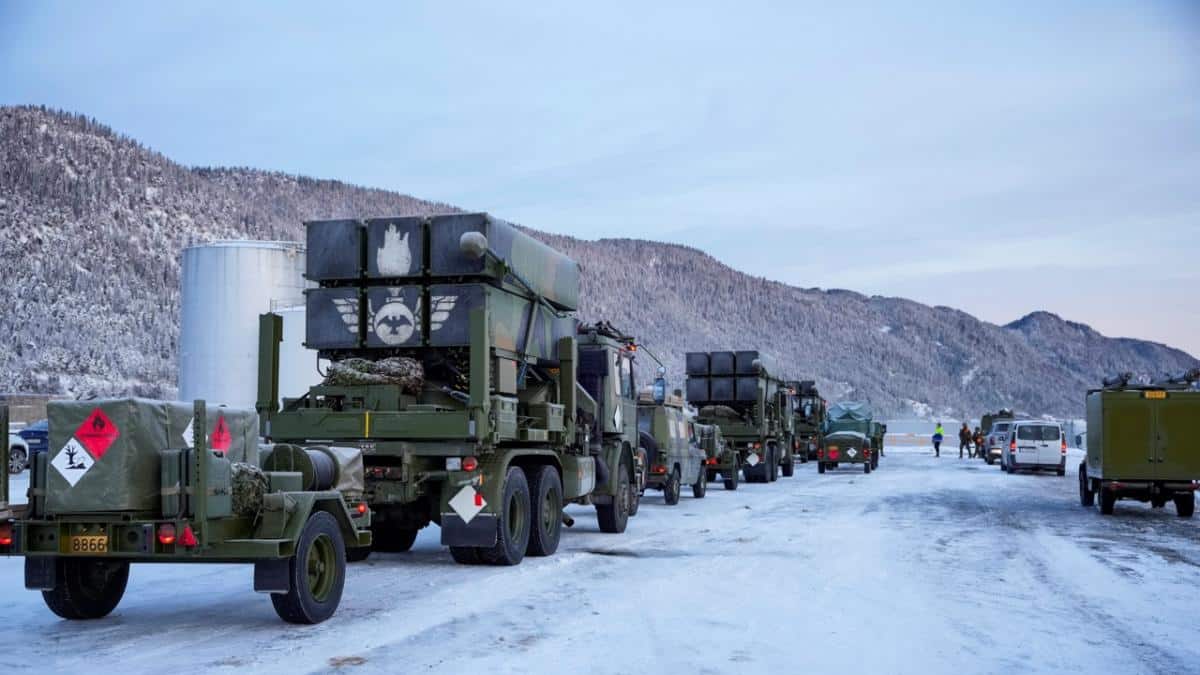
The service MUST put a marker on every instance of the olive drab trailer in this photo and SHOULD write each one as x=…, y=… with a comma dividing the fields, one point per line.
x=851, y=436
x=457, y=367
x=738, y=392
x=139, y=481
x=720, y=458
x=1143, y=443
x=673, y=453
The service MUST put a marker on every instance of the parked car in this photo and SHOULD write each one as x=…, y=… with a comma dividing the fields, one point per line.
x=995, y=441
x=1035, y=445
x=18, y=454
x=37, y=436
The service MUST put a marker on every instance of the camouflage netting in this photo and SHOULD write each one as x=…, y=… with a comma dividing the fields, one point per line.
x=406, y=372
x=249, y=488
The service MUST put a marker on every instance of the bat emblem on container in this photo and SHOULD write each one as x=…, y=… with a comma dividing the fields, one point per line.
x=395, y=322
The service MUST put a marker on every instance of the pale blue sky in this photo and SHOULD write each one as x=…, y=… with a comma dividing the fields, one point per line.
x=996, y=157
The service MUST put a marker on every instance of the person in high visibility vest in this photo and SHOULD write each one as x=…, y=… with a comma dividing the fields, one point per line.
x=938, y=434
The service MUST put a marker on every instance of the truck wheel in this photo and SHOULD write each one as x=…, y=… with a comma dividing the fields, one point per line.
x=731, y=478
x=700, y=488
x=513, y=536
x=772, y=466
x=1185, y=505
x=546, y=488
x=613, y=517
x=1086, y=496
x=789, y=467
x=88, y=588
x=357, y=553
x=389, y=539
x=671, y=488
x=1108, y=499
x=316, y=573
x=820, y=467
x=866, y=467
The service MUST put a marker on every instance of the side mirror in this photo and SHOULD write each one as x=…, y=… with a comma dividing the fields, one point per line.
x=473, y=244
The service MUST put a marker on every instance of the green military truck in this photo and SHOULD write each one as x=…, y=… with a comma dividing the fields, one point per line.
x=674, y=455
x=738, y=392
x=1143, y=443
x=459, y=369
x=808, y=412
x=850, y=436
x=720, y=458
x=139, y=481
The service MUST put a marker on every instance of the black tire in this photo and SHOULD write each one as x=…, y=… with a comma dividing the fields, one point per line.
x=772, y=465
x=88, y=588
x=466, y=555
x=731, y=479
x=700, y=487
x=672, y=488
x=1185, y=505
x=546, y=525
x=789, y=468
x=1086, y=496
x=820, y=467
x=990, y=460
x=316, y=573
x=387, y=538
x=357, y=553
x=614, y=517
x=1108, y=500
x=512, y=536
x=866, y=467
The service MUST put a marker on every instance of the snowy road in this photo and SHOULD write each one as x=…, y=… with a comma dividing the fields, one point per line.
x=926, y=566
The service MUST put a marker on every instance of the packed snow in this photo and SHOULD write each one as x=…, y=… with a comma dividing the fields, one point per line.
x=925, y=566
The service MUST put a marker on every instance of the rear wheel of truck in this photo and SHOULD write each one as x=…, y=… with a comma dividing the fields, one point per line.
x=546, y=488
x=1108, y=499
x=772, y=466
x=387, y=538
x=731, y=478
x=88, y=588
x=1185, y=505
x=671, y=488
x=820, y=467
x=789, y=467
x=512, y=537
x=700, y=487
x=614, y=516
x=1086, y=496
x=866, y=467
x=316, y=574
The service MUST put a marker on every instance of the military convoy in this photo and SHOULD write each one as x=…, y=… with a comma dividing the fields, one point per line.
x=851, y=436
x=1143, y=443
x=462, y=390
x=739, y=392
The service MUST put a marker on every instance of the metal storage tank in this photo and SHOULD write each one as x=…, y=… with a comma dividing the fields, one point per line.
x=226, y=285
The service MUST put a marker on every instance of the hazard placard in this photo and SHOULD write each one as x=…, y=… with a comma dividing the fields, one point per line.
x=97, y=433
x=72, y=462
x=467, y=503
x=221, y=439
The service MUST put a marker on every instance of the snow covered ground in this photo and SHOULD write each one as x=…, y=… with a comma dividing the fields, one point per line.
x=926, y=566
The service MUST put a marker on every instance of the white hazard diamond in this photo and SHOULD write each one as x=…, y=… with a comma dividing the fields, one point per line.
x=752, y=459
x=852, y=452
x=467, y=503
x=72, y=461
x=189, y=436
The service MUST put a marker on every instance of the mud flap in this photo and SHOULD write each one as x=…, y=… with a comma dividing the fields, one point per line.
x=479, y=532
x=272, y=576
x=40, y=573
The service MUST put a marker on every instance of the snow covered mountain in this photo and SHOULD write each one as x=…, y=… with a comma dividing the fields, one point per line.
x=92, y=225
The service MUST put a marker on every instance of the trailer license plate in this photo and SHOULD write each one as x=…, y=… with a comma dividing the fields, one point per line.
x=1156, y=394
x=89, y=543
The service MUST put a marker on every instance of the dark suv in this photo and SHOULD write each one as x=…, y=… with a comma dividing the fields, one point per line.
x=37, y=436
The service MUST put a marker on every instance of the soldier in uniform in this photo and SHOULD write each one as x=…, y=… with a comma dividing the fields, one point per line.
x=964, y=440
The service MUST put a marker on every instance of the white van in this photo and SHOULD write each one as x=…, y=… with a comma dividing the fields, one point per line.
x=1035, y=445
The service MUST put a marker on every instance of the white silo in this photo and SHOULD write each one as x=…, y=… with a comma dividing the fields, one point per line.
x=226, y=285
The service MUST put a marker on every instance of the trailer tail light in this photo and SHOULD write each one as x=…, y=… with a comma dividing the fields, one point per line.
x=6, y=534
x=658, y=469
x=758, y=446
x=188, y=538
x=711, y=461
x=833, y=454
x=470, y=464
x=361, y=508
x=166, y=534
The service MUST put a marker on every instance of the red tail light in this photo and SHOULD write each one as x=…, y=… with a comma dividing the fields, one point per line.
x=833, y=454
x=361, y=508
x=757, y=446
x=711, y=460
x=188, y=538
x=658, y=469
x=6, y=534
x=470, y=464
x=1064, y=445
x=1012, y=445
x=166, y=534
